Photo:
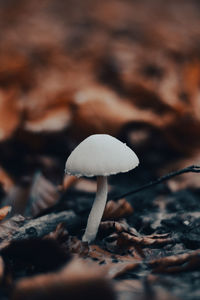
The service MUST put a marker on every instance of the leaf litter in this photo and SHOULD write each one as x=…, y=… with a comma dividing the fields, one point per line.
x=130, y=77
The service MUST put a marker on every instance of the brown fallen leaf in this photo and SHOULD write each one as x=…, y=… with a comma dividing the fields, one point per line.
x=142, y=290
x=129, y=285
x=62, y=237
x=144, y=241
x=191, y=77
x=17, y=197
x=47, y=103
x=155, y=291
x=4, y=211
x=68, y=181
x=1, y=269
x=117, y=209
x=5, y=180
x=118, y=226
x=100, y=110
x=124, y=236
x=14, y=69
x=43, y=194
x=77, y=280
x=75, y=246
x=176, y=263
x=158, y=73
x=52, y=120
x=59, y=234
x=10, y=114
x=116, y=264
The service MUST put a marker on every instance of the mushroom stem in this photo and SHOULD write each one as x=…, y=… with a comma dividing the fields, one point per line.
x=97, y=210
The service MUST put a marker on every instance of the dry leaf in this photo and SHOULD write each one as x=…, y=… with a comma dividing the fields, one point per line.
x=135, y=289
x=149, y=74
x=99, y=110
x=176, y=263
x=116, y=210
x=129, y=285
x=17, y=198
x=10, y=114
x=123, y=236
x=144, y=241
x=5, y=180
x=53, y=120
x=14, y=69
x=43, y=194
x=118, y=227
x=68, y=181
x=115, y=263
x=75, y=246
x=4, y=211
x=59, y=234
x=77, y=280
x=1, y=269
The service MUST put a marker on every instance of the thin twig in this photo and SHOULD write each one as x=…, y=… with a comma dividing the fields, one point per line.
x=194, y=169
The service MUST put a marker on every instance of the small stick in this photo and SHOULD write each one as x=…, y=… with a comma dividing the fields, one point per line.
x=18, y=228
x=36, y=228
x=193, y=169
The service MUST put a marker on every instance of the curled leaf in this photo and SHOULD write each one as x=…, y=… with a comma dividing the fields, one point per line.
x=124, y=236
x=145, y=241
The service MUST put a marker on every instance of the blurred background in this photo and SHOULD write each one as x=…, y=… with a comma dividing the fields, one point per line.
x=69, y=69
x=128, y=68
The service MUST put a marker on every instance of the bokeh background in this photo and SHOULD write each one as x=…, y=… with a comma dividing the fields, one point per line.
x=69, y=69
x=72, y=68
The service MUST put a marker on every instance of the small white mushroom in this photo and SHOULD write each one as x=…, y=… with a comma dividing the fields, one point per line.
x=99, y=155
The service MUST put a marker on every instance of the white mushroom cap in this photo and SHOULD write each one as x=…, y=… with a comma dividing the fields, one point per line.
x=101, y=155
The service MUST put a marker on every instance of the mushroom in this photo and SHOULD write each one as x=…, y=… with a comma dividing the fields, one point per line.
x=99, y=155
